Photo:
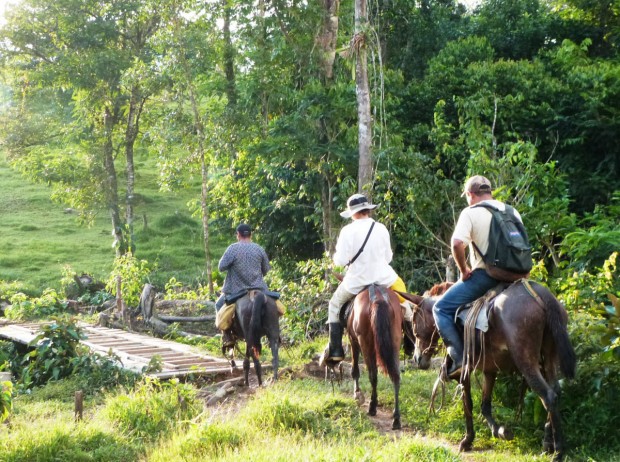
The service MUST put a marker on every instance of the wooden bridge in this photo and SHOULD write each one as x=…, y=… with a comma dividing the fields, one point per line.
x=134, y=350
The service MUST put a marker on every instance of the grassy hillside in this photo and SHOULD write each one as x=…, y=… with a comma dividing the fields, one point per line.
x=39, y=238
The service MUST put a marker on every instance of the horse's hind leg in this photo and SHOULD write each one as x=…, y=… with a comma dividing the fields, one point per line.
x=371, y=364
x=275, y=358
x=355, y=371
x=396, y=416
x=548, y=391
x=246, y=371
x=553, y=441
x=258, y=369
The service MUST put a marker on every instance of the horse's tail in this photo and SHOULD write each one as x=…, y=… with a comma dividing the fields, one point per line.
x=381, y=322
x=256, y=323
x=557, y=318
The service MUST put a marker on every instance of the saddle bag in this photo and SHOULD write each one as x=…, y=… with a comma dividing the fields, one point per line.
x=224, y=317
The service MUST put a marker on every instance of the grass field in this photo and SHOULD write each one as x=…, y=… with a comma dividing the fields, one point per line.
x=39, y=238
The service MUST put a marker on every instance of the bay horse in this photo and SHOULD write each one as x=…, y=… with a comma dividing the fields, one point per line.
x=527, y=333
x=256, y=316
x=375, y=330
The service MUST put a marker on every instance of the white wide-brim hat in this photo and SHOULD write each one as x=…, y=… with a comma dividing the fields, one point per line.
x=356, y=203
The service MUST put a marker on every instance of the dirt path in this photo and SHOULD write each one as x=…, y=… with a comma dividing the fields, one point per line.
x=229, y=407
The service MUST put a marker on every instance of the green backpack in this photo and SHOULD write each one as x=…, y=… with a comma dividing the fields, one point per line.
x=509, y=256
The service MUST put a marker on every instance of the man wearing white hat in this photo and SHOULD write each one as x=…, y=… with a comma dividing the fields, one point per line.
x=364, y=248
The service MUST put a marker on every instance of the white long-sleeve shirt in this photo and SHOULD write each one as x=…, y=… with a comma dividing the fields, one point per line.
x=373, y=264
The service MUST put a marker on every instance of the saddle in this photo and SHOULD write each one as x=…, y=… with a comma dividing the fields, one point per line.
x=476, y=313
x=225, y=317
x=347, y=308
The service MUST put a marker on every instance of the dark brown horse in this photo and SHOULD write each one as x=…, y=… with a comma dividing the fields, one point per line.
x=527, y=333
x=256, y=316
x=375, y=330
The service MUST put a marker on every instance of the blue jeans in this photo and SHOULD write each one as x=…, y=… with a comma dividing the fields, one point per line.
x=220, y=302
x=459, y=294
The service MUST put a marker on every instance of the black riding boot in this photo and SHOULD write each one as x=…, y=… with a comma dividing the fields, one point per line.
x=334, y=352
x=454, y=344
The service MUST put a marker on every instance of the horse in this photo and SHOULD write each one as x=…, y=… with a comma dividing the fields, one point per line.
x=527, y=333
x=256, y=316
x=375, y=329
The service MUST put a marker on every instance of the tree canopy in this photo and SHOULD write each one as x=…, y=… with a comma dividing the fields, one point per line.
x=260, y=101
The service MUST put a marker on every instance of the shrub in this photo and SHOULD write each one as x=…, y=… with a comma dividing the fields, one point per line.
x=305, y=293
x=133, y=273
x=56, y=346
x=23, y=307
x=153, y=408
x=6, y=399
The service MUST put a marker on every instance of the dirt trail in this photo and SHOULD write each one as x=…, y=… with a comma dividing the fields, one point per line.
x=232, y=404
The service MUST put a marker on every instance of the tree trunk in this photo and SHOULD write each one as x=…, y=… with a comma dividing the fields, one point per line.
x=326, y=41
x=365, y=173
x=229, y=58
x=131, y=133
x=328, y=37
x=111, y=186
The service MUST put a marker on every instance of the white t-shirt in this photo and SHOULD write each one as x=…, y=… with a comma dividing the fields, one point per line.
x=473, y=226
x=373, y=264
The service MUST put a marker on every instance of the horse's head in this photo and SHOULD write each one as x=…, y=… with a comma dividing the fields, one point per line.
x=425, y=332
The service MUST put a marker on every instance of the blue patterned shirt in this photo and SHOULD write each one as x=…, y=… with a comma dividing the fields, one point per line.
x=245, y=263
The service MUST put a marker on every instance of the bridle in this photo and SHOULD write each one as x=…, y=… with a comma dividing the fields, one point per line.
x=419, y=312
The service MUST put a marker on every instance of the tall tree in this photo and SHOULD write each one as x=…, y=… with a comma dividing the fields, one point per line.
x=360, y=46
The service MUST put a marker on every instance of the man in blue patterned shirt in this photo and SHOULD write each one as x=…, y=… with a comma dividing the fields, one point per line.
x=245, y=263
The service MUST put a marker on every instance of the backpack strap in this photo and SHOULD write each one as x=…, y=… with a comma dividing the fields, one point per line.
x=490, y=208
x=363, y=245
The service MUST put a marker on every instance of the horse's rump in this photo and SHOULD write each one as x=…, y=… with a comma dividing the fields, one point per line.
x=376, y=321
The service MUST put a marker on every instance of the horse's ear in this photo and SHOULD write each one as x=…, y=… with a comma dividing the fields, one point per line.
x=417, y=299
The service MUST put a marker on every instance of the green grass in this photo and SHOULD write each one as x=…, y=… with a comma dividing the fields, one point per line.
x=39, y=238
x=294, y=419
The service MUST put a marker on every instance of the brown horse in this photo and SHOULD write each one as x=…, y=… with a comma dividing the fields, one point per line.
x=527, y=333
x=375, y=329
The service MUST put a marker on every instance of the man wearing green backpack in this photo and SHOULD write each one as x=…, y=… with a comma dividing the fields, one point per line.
x=476, y=227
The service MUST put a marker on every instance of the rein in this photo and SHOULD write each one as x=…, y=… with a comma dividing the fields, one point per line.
x=419, y=312
x=530, y=290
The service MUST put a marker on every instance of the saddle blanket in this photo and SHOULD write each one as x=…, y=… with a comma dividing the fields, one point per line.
x=224, y=317
x=482, y=321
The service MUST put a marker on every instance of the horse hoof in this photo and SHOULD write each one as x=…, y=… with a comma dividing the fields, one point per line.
x=396, y=425
x=505, y=433
x=465, y=446
x=372, y=412
x=359, y=397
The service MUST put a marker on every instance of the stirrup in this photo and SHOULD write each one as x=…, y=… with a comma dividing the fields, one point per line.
x=329, y=361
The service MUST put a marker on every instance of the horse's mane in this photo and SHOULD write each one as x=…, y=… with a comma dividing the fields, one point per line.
x=438, y=289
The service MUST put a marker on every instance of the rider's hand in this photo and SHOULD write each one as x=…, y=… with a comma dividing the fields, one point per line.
x=465, y=275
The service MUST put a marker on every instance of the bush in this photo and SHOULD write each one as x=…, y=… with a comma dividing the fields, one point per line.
x=305, y=293
x=22, y=307
x=133, y=273
x=6, y=399
x=153, y=408
x=56, y=347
